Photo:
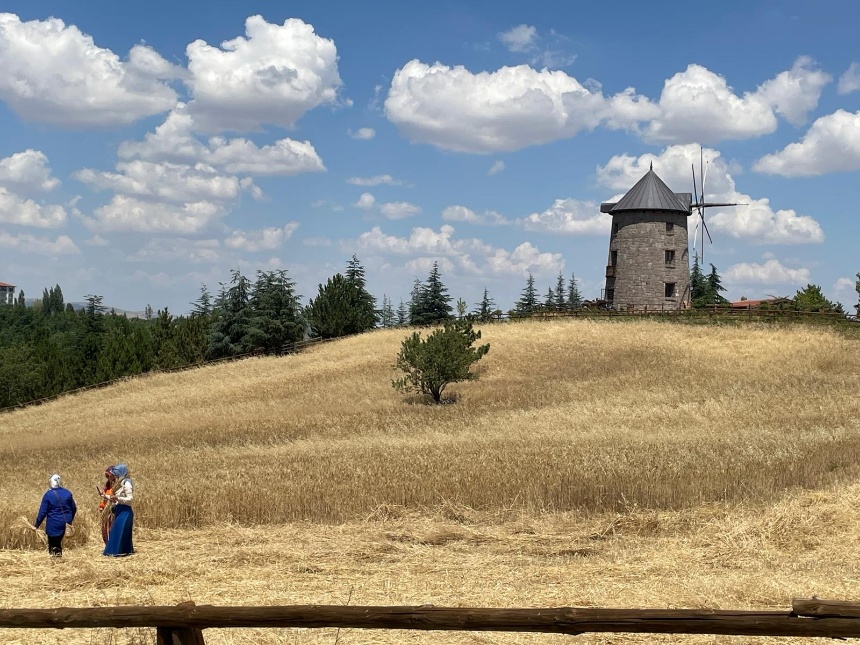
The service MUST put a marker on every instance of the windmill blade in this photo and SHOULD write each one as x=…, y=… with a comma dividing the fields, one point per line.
x=706, y=230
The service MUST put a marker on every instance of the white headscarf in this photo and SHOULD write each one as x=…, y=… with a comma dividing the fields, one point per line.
x=54, y=481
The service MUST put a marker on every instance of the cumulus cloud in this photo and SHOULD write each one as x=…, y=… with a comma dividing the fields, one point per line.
x=166, y=181
x=124, y=213
x=521, y=38
x=832, y=144
x=175, y=141
x=31, y=244
x=166, y=249
x=265, y=239
x=27, y=172
x=364, y=134
x=467, y=256
x=496, y=168
x=771, y=272
x=366, y=201
x=569, y=216
x=850, y=80
x=376, y=180
x=753, y=220
x=26, y=212
x=515, y=107
x=399, y=210
x=273, y=75
x=699, y=105
x=56, y=74
x=463, y=214
x=509, y=109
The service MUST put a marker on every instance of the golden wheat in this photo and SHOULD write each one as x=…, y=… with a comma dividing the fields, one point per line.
x=642, y=452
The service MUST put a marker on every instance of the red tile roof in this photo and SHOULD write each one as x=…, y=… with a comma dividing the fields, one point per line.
x=3, y=284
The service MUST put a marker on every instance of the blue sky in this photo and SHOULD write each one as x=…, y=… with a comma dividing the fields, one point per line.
x=146, y=149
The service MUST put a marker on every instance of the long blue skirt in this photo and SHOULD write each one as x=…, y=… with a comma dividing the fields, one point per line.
x=119, y=539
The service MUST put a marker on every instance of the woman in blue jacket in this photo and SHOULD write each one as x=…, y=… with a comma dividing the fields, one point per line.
x=58, y=508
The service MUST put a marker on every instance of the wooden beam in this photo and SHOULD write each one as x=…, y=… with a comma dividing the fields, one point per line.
x=818, y=607
x=561, y=620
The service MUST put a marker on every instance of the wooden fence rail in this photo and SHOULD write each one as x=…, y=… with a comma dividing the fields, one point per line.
x=183, y=624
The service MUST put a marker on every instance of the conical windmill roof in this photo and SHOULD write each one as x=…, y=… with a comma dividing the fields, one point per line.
x=650, y=194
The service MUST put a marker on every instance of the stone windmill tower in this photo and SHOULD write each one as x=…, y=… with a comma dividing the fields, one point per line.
x=648, y=265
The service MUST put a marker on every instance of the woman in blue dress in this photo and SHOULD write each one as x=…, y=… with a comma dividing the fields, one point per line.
x=119, y=542
x=57, y=510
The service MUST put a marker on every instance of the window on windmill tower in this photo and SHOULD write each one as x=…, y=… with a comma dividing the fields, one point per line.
x=670, y=227
x=670, y=289
x=669, y=257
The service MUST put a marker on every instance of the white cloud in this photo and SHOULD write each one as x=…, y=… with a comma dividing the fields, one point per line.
x=363, y=134
x=771, y=272
x=832, y=144
x=166, y=181
x=496, y=168
x=376, y=180
x=521, y=38
x=179, y=248
x=699, y=105
x=27, y=172
x=316, y=241
x=850, y=80
x=366, y=201
x=26, y=212
x=845, y=285
x=56, y=74
x=467, y=256
x=96, y=240
x=125, y=213
x=399, y=210
x=273, y=75
x=26, y=243
x=569, y=216
x=463, y=214
x=753, y=220
x=265, y=239
x=509, y=109
x=174, y=141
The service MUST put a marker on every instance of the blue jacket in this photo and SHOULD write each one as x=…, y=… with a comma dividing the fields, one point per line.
x=59, y=507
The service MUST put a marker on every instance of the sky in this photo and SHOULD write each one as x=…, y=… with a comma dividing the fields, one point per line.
x=147, y=149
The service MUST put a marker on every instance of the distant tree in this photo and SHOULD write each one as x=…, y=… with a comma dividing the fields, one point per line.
x=166, y=348
x=549, y=299
x=147, y=312
x=486, y=307
x=203, y=305
x=433, y=304
x=21, y=301
x=232, y=318
x=528, y=299
x=560, y=302
x=387, y=317
x=416, y=302
x=275, y=320
x=857, y=288
x=332, y=313
x=574, y=297
x=462, y=308
x=444, y=357
x=811, y=298
x=698, y=285
x=715, y=288
x=402, y=314
x=364, y=303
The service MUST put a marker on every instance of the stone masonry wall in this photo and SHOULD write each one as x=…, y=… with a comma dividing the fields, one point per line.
x=640, y=240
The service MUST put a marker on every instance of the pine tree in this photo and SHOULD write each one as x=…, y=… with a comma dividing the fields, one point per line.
x=486, y=307
x=715, y=287
x=387, y=317
x=560, y=302
x=416, y=302
x=811, y=298
x=332, y=313
x=549, y=299
x=275, y=321
x=365, y=304
x=528, y=299
x=203, y=305
x=228, y=331
x=698, y=286
x=462, y=308
x=147, y=312
x=432, y=304
x=574, y=297
x=857, y=289
x=402, y=314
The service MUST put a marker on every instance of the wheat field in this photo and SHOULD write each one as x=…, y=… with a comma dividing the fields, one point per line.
x=595, y=463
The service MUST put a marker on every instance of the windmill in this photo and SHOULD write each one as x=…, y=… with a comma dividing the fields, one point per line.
x=699, y=205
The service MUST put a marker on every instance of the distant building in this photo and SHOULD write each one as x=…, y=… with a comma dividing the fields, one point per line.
x=648, y=264
x=764, y=302
x=7, y=294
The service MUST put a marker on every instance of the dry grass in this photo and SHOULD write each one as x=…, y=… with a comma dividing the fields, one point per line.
x=632, y=464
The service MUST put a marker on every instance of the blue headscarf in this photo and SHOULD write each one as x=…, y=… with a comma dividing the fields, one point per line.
x=120, y=471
